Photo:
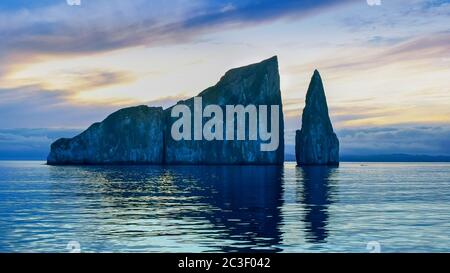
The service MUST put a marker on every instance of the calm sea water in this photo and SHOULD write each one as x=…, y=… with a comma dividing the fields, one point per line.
x=398, y=207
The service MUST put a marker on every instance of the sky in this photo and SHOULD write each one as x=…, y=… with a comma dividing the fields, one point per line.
x=386, y=68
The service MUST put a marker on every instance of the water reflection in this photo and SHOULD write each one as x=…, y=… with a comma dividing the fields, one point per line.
x=246, y=202
x=236, y=205
x=317, y=195
x=230, y=208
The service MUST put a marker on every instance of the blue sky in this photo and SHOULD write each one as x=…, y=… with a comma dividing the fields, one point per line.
x=12, y=5
x=385, y=68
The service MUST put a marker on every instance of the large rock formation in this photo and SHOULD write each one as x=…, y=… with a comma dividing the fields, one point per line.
x=257, y=84
x=142, y=135
x=316, y=143
x=129, y=136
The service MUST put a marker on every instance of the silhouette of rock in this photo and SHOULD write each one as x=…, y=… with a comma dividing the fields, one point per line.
x=129, y=136
x=142, y=135
x=316, y=143
x=257, y=84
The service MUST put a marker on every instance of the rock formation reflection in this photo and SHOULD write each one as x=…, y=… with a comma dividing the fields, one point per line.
x=246, y=202
x=227, y=208
x=317, y=195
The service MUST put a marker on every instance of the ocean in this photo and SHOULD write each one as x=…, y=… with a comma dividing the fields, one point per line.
x=358, y=207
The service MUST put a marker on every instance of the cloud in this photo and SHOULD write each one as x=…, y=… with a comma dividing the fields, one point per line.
x=72, y=82
x=378, y=40
x=251, y=12
x=107, y=25
x=429, y=140
x=88, y=80
x=425, y=48
x=27, y=106
x=395, y=15
x=30, y=143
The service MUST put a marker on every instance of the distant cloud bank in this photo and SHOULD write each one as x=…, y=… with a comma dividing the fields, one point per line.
x=429, y=140
x=30, y=144
x=415, y=140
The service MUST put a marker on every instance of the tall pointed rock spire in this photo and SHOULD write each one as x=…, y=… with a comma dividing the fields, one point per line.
x=316, y=143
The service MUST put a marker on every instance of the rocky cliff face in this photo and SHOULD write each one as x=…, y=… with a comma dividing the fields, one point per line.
x=129, y=136
x=257, y=84
x=316, y=143
x=142, y=135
